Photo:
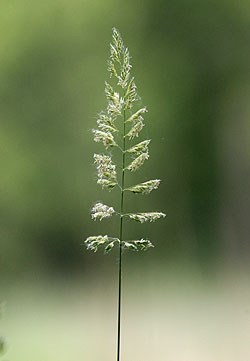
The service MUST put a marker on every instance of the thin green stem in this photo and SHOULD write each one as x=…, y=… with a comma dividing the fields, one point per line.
x=120, y=245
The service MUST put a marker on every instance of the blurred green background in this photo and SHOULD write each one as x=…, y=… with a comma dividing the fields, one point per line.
x=188, y=298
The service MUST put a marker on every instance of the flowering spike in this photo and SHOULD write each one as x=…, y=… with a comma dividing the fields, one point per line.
x=104, y=118
x=106, y=171
x=100, y=211
x=119, y=63
x=137, y=116
x=106, y=184
x=143, y=244
x=146, y=217
x=135, y=130
x=137, y=123
x=131, y=95
x=129, y=245
x=106, y=123
x=137, y=245
x=140, y=148
x=118, y=46
x=106, y=138
x=109, y=247
x=125, y=70
x=115, y=105
x=145, y=187
x=138, y=162
x=94, y=242
x=109, y=91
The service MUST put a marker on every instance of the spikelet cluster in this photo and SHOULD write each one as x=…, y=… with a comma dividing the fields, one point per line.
x=138, y=245
x=106, y=171
x=94, y=242
x=145, y=187
x=100, y=211
x=121, y=113
x=146, y=217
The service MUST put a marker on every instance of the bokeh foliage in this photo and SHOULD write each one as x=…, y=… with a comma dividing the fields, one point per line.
x=191, y=59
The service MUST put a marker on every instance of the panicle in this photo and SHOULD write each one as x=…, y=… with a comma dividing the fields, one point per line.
x=100, y=211
x=121, y=94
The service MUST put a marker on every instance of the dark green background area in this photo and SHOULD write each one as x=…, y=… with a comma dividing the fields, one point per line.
x=187, y=299
x=191, y=62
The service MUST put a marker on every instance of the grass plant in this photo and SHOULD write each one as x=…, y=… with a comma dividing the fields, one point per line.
x=118, y=128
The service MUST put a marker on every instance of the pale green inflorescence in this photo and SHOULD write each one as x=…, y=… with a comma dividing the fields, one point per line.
x=121, y=98
x=100, y=211
x=146, y=217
